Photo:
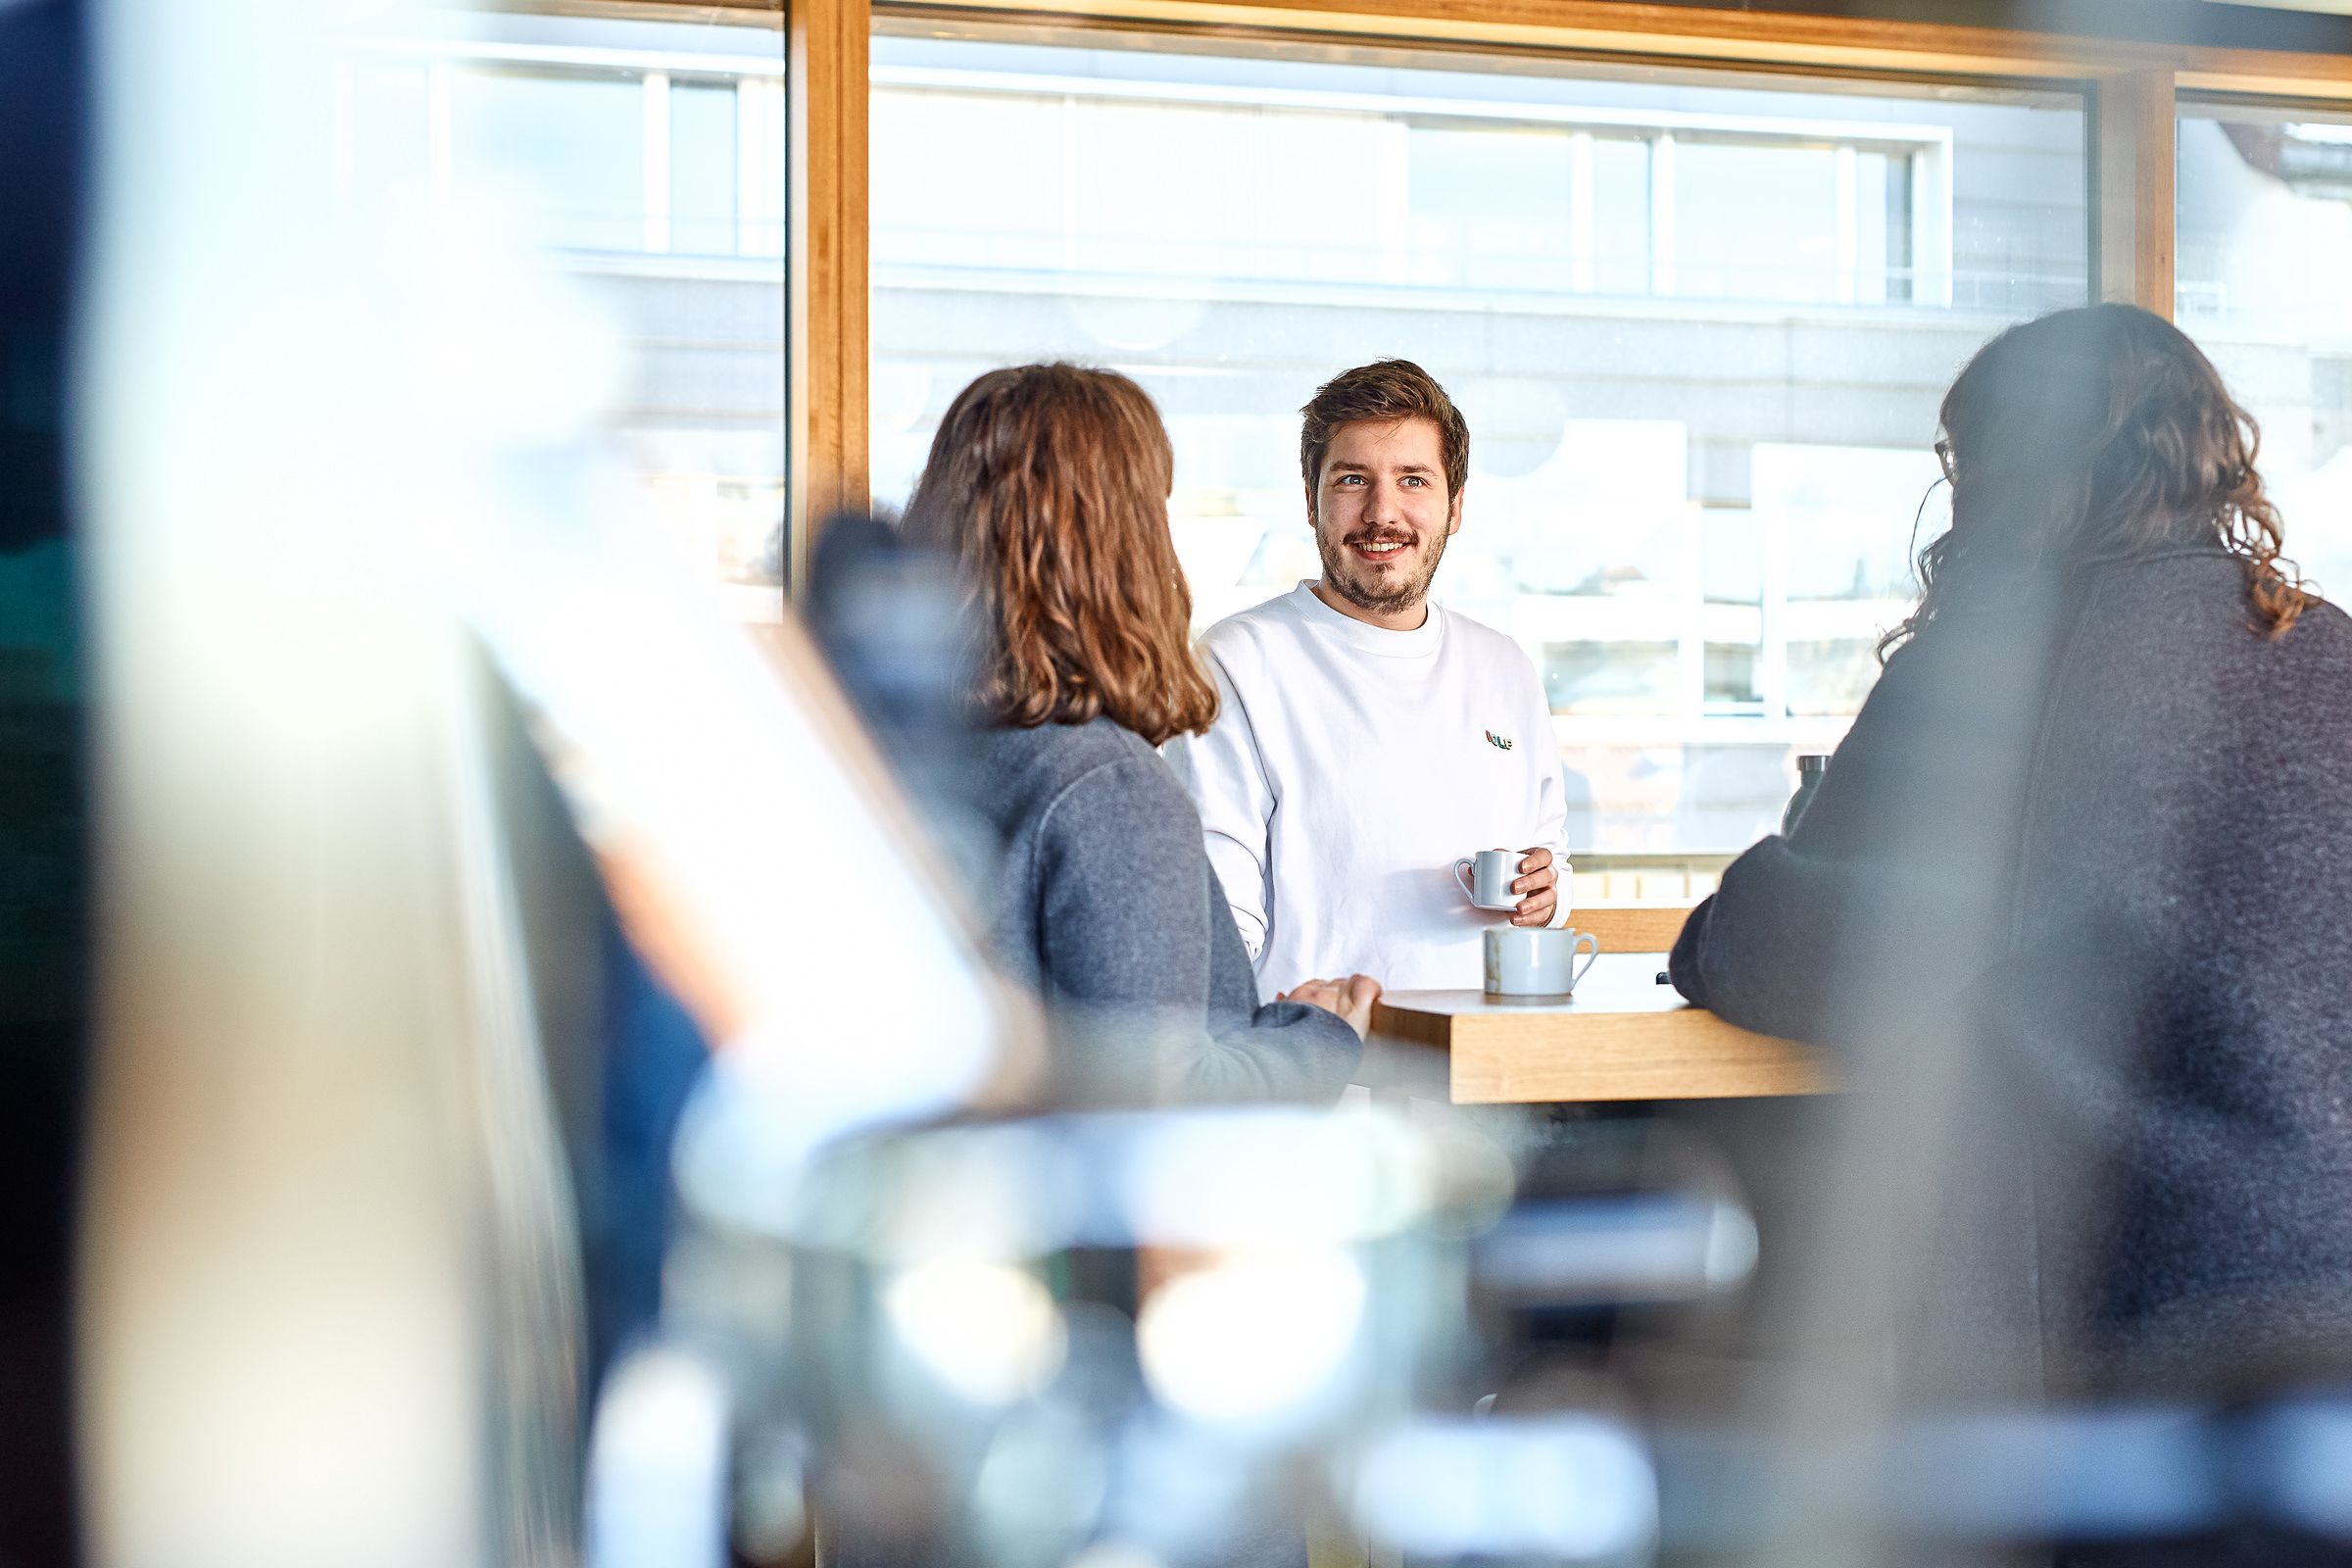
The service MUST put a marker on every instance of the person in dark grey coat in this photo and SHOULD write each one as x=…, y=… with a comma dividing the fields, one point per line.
x=1049, y=483
x=2078, y=882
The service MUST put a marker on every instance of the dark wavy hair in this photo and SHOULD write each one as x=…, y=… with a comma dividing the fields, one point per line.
x=1385, y=391
x=1050, y=484
x=2099, y=435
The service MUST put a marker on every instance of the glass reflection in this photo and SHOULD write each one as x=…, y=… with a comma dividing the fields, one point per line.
x=1699, y=323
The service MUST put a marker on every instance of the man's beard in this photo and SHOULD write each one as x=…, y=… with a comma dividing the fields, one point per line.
x=1408, y=594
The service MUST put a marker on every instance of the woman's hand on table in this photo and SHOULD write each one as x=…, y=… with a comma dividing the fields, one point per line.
x=1351, y=998
x=1539, y=887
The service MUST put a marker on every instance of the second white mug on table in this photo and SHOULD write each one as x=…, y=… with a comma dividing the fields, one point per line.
x=1536, y=961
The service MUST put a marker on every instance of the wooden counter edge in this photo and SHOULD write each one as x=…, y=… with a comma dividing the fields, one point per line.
x=1685, y=1054
x=1632, y=928
x=1498, y=1058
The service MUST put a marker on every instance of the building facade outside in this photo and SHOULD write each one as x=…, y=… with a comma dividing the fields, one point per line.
x=1700, y=322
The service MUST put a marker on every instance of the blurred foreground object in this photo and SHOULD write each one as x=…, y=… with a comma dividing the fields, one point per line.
x=323, y=1199
x=2070, y=904
x=1153, y=1333
x=894, y=623
x=44, y=826
x=1174, y=1337
x=335, y=450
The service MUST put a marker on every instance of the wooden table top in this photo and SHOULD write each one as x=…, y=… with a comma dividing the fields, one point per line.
x=1623, y=1035
x=1630, y=927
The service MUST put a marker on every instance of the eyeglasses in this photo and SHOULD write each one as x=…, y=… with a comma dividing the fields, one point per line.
x=1944, y=455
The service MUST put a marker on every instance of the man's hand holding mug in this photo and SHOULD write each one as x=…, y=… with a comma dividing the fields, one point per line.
x=1539, y=887
x=1533, y=895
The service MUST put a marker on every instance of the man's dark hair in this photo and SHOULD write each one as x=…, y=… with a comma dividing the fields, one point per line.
x=1385, y=391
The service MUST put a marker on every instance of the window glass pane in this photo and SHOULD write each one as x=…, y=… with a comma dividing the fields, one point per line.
x=390, y=153
x=1620, y=239
x=1731, y=684
x=2265, y=250
x=1830, y=674
x=569, y=149
x=1621, y=677
x=1699, y=322
x=1008, y=225
x=702, y=168
x=1494, y=207
x=1756, y=220
x=655, y=180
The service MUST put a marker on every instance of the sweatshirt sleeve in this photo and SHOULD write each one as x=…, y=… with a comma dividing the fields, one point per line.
x=1888, y=898
x=1227, y=780
x=1138, y=942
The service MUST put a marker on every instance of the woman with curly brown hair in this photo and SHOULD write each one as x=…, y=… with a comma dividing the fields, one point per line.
x=2080, y=878
x=1050, y=484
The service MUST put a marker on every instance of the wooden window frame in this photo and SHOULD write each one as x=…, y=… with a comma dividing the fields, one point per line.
x=2133, y=87
x=826, y=96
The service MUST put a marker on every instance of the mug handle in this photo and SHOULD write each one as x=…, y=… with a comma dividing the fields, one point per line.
x=1462, y=870
x=1577, y=945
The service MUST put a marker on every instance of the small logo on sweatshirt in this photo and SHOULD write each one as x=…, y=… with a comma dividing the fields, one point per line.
x=1499, y=742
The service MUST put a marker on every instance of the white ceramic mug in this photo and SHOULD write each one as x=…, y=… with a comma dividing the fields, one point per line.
x=1488, y=875
x=1536, y=961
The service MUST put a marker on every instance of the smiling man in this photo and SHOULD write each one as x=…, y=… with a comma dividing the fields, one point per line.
x=1366, y=738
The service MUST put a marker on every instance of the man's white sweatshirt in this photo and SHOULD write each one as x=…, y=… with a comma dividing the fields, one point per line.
x=1348, y=769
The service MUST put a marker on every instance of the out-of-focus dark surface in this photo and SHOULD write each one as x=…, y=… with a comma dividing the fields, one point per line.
x=43, y=1012
x=40, y=165
x=890, y=619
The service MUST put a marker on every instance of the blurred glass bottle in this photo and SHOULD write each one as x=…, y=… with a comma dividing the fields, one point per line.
x=1810, y=771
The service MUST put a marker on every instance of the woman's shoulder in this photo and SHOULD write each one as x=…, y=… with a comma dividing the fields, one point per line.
x=1049, y=768
x=1067, y=750
x=2333, y=626
x=2189, y=594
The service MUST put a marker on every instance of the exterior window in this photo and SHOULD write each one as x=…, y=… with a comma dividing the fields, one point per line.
x=571, y=147
x=647, y=159
x=1699, y=322
x=2265, y=247
x=702, y=170
x=1756, y=220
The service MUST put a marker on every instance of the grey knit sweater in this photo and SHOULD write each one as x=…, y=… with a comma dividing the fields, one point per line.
x=2095, y=837
x=1107, y=906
